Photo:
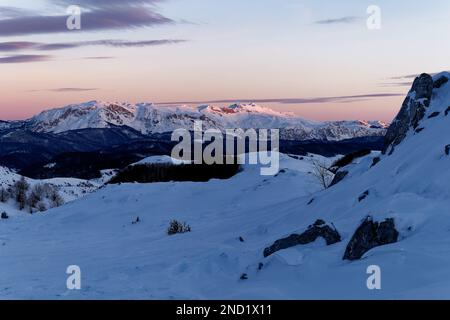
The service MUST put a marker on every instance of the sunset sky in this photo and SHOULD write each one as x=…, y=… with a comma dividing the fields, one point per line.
x=316, y=58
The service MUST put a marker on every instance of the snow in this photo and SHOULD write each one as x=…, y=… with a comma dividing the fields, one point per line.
x=69, y=188
x=121, y=260
x=160, y=160
x=150, y=118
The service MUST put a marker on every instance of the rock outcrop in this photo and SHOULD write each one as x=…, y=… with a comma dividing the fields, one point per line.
x=369, y=235
x=412, y=112
x=338, y=177
x=318, y=229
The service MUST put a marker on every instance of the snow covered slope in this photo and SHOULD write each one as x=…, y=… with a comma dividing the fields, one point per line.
x=119, y=259
x=69, y=188
x=150, y=118
x=126, y=260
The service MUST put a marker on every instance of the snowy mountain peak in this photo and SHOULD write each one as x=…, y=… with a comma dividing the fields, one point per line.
x=149, y=118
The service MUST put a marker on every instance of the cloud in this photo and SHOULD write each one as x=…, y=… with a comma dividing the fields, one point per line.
x=72, y=89
x=17, y=46
x=408, y=76
x=98, y=58
x=61, y=90
x=103, y=18
x=12, y=12
x=337, y=99
x=105, y=3
x=397, y=84
x=342, y=20
x=412, y=76
x=403, y=80
x=24, y=58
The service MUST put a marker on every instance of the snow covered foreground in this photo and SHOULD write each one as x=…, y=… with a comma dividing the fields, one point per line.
x=122, y=260
x=119, y=259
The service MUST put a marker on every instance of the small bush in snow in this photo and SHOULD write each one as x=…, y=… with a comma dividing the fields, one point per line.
x=39, y=197
x=178, y=227
x=56, y=199
x=35, y=197
x=4, y=195
x=41, y=207
x=19, y=190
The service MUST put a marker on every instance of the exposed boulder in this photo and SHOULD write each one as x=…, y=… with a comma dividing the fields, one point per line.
x=338, y=177
x=4, y=215
x=369, y=235
x=375, y=161
x=447, y=111
x=434, y=115
x=412, y=112
x=318, y=229
x=447, y=149
x=364, y=195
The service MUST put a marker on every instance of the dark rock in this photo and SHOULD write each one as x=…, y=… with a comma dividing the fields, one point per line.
x=447, y=111
x=447, y=149
x=440, y=82
x=375, y=161
x=310, y=201
x=280, y=172
x=338, y=177
x=241, y=239
x=411, y=112
x=348, y=159
x=423, y=86
x=4, y=215
x=369, y=235
x=260, y=266
x=364, y=195
x=419, y=130
x=318, y=229
x=136, y=221
x=244, y=276
x=434, y=115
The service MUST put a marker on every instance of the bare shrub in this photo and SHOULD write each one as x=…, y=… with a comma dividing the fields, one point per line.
x=55, y=198
x=36, y=196
x=19, y=190
x=4, y=195
x=322, y=174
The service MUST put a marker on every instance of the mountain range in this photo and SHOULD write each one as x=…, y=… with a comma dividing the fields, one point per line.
x=149, y=118
x=80, y=140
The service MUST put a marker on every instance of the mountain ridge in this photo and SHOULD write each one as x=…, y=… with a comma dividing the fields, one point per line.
x=148, y=118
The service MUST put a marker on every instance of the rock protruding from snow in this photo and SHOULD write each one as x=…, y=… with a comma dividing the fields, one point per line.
x=318, y=229
x=338, y=177
x=369, y=235
x=412, y=112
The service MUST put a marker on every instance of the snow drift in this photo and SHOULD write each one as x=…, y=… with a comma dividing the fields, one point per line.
x=234, y=220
